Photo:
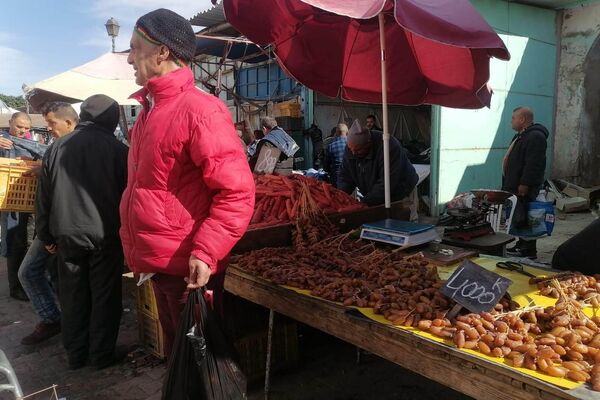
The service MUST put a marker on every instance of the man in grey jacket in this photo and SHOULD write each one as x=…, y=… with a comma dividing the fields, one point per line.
x=14, y=224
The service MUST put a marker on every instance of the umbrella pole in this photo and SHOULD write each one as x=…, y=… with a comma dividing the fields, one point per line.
x=386, y=132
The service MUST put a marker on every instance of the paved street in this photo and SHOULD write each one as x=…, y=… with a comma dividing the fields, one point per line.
x=41, y=366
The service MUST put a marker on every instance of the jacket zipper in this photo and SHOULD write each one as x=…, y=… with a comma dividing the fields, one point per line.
x=131, y=190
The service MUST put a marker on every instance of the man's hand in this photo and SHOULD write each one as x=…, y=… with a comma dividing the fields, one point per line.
x=34, y=171
x=5, y=143
x=523, y=190
x=51, y=248
x=24, y=158
x=199, y=273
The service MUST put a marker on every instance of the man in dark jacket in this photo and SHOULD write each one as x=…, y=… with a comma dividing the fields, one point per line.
x=362, y=168
x=523, y=167
x=77, y=205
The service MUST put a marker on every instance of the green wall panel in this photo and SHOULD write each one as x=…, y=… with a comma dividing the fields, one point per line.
x=472, y=143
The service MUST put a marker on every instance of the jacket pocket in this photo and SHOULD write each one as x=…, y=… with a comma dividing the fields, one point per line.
x=175, y=213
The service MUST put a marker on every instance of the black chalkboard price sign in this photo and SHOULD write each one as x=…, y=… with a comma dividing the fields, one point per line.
x=475, y=288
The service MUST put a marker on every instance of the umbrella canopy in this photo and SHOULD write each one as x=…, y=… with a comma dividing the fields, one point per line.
x=438, y=51
x=108, y=74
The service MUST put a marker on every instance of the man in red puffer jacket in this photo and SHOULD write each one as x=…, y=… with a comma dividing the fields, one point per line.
x=190, y=192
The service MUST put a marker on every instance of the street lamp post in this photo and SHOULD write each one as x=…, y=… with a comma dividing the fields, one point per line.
x=112, y=28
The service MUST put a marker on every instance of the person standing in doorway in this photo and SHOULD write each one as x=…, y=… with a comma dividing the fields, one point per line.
x=523, y=168
x=371, y=123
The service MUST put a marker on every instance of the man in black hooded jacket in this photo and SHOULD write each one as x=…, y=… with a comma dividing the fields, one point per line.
x=523, y=167
x=77, y=216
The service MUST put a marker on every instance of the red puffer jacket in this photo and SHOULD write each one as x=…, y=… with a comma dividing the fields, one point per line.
x=190, y=190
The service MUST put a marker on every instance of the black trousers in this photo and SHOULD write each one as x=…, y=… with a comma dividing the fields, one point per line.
x=577, y=253
x=16, y=240
x=90, y=299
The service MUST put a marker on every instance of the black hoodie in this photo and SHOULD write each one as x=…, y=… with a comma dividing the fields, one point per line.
x=526, y=162
x=83, y=176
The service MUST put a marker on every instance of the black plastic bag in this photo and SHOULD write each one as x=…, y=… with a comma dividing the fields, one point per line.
x=520, y=216
x=202, y=364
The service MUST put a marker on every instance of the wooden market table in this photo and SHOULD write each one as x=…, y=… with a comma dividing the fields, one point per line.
x=449, y=366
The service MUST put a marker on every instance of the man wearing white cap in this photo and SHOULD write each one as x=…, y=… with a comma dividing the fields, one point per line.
x=362, y=168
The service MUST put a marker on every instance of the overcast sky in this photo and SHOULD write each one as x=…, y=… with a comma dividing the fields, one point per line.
x=41, y=38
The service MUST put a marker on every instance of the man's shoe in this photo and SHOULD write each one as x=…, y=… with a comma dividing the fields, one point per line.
x=512, y=249
x=522, y=252
x=118, y=356
x=19, y=294
x=517, y=246
x=42, y=333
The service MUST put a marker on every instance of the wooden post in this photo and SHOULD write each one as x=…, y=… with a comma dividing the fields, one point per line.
x=269, y=351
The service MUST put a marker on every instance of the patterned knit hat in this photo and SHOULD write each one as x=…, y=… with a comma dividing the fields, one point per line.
x=166, y=27
x=357, y=135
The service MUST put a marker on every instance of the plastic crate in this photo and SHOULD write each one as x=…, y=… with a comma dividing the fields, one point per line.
x=151, y=334
x=146, y=300
x=291, y=109
x=252, y=350
x=17, y=192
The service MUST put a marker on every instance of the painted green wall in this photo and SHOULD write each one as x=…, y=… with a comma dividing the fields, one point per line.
x=472, y=143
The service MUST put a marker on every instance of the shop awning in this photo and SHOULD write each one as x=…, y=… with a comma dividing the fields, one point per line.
x=108, y=74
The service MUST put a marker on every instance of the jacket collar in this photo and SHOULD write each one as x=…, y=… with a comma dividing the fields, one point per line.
x=164, y=87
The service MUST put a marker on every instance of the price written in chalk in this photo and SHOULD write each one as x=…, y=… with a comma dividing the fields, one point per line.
x=475, y=288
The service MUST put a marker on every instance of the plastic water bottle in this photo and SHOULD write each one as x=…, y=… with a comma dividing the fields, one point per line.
x=541, y=196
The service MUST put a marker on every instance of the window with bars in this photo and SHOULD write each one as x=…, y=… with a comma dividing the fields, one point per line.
x=263, y=82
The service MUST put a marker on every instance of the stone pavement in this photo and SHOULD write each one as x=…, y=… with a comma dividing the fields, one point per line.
x=39, y=367
x=565, y=226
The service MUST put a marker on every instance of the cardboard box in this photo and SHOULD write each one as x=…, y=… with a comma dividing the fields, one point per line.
x=572, y=204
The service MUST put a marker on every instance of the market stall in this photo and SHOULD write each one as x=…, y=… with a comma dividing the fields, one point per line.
x=458, y=369
x=541, y=338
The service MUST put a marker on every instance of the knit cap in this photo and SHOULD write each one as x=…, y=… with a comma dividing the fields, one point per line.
x=166, y=27
x=357, y=135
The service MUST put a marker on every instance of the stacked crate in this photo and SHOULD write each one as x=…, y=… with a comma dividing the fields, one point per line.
x=150, y=331
x=17, y=189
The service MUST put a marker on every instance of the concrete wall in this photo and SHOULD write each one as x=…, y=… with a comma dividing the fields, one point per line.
x=472, y=143
x=577, y=96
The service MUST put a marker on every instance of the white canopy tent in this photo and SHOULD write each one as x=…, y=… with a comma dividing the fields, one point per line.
x=108, y=74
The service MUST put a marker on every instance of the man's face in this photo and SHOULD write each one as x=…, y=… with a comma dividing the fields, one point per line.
x=58, y=127
x=359, y=150
x=19, y=126
x=517, y=121
x=370, y=123
x=143, y=56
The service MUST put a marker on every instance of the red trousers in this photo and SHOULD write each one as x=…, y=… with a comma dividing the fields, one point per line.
x=171, y=295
